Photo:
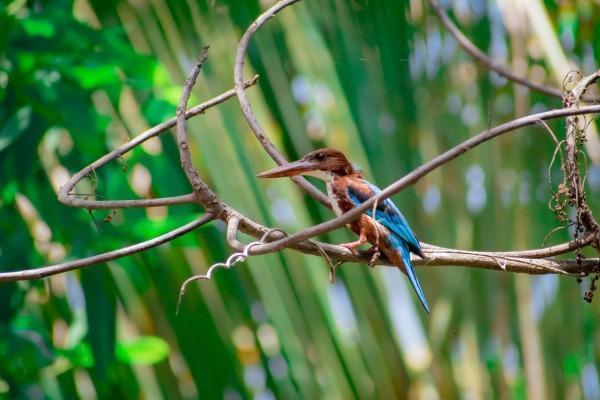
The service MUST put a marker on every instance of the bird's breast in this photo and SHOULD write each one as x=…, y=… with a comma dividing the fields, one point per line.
x=340, y=202
x=334, y=198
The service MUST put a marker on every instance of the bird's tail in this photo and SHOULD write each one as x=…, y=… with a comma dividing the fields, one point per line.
x=412, y=277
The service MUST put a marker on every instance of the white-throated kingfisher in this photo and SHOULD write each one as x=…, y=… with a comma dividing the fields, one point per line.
x=346, y=189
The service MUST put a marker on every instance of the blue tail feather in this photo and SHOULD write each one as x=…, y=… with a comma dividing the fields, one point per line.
x=412, y=277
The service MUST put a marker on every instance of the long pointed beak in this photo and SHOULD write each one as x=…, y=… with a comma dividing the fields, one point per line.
x=292, y=169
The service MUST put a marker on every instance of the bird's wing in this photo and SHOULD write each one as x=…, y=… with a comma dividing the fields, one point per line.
x=386, y=213
x=402, y=237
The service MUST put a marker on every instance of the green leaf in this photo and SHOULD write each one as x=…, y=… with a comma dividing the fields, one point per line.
x=571, y=364
x=80, y=356
x=38, y=27
x=26, y=352
x=145, y=350
x=100, y=305
x=15, y=127
x=9, y=192
x=93, y=76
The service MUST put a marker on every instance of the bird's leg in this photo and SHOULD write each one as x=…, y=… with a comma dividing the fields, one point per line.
x=375, y=257
x=362, y=239
x=376, y=252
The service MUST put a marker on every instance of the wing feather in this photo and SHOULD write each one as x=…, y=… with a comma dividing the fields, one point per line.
x=386, y=214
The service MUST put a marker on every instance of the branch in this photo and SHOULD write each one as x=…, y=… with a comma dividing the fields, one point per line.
x=509, y=264
x=575, y=136
x=530, y=261
x=420, y=172
x=483, y=58
x=525, y=261
x=544, y=252
x=203, y=194
x=256, y=128
x=42, y=272
x=66, y=197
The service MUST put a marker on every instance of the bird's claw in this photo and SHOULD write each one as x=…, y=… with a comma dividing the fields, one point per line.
x=374, y=257
x=350, y=247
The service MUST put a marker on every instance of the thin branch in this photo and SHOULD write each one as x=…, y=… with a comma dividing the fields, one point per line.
x=137, y=203
x=549, y=131
x=522, y=265
x=42, y=272
x=420, y=172
x=204, y=195
x=66, y=197
x=573, y=136
x=233, y=224
x=535, y=261
x=483, y=58
x=545, y=252
x=257, y=129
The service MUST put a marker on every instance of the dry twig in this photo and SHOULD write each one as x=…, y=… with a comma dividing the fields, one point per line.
x=536, y=261
x=484, y=59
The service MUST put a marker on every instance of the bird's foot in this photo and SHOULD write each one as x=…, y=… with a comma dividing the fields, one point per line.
x=375, y=256
x=351, y=246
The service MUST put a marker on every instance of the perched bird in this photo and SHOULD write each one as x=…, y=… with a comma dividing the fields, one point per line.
x=346, y=188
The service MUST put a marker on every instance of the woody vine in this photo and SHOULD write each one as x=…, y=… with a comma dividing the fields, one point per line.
x=568, y=200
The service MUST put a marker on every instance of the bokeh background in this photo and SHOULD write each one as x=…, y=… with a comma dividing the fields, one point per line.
x=380, y=80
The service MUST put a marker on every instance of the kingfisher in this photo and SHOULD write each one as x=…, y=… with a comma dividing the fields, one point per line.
x=388, y=231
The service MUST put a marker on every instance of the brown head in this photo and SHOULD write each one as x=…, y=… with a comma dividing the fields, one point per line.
x=318, y=163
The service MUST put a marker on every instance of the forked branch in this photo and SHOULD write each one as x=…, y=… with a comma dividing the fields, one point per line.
x=535, y=261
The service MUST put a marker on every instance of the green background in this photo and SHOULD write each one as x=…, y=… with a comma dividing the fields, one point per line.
x=380, y=80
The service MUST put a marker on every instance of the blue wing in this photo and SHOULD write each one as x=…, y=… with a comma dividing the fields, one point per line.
x=402, y=237
x=386, y=214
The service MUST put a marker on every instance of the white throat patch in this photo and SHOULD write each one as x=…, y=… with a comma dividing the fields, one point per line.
x=322, y=175
x=328, y=178
x=332, y=197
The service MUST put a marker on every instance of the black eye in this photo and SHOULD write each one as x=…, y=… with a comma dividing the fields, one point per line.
x=319, y=156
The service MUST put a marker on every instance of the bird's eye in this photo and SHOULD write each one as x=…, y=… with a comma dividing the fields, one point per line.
x=320, y=157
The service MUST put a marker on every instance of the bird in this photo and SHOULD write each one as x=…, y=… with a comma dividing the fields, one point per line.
x=388, y=231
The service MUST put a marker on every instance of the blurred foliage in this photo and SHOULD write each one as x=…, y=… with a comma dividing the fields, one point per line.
x=380, y=80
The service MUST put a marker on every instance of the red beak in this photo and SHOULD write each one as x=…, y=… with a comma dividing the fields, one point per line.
x=292, y=169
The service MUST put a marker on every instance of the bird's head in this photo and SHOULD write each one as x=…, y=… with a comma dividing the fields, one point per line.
x=321, y=163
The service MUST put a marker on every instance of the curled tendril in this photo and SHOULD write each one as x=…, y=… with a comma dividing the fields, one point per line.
x=230, y=262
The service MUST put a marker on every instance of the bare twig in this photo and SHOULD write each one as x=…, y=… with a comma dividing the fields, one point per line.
x=483, y=58
x=575, y=136
x=42, y=272
x=257, y=129
x=66, y=197
x=420, y=172
x=536, y=261
x=524, y=265
x=545, y=252
x=230, y=262
x=204, y=195
x=549, y=131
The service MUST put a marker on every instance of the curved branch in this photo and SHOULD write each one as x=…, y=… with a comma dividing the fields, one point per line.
x=550, y=251
x=256, y=128
x=573, y=136
x=536, y=261
x=203, y=194
x=420, y=172
x=66, y=197
x=42, y=272
x=136, y=203
x=483, y=58
x=526, y=261
x=535, y=266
